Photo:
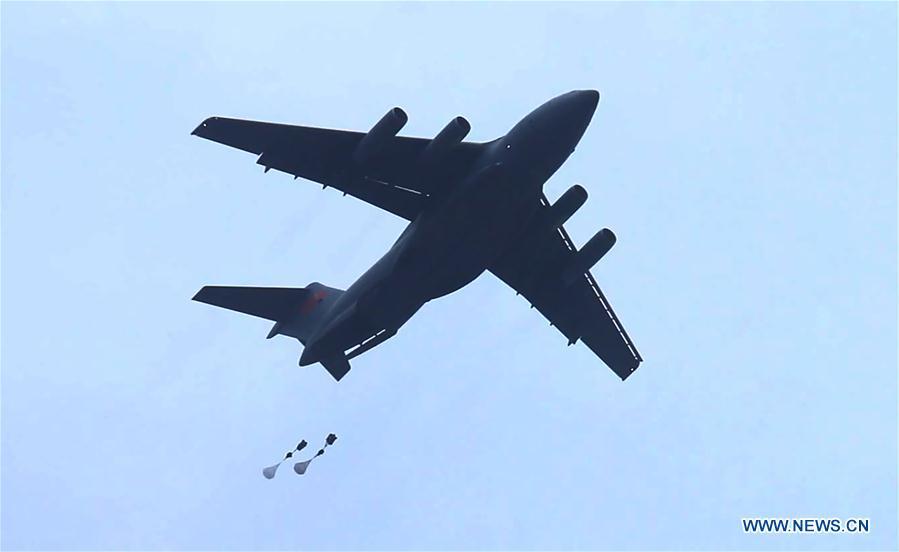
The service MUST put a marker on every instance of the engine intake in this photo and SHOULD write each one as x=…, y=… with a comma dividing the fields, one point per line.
x=589, y=255
x=446, y=140
x=379, y=135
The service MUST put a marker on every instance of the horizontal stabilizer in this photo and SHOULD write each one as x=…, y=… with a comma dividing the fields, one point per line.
x=265, y=302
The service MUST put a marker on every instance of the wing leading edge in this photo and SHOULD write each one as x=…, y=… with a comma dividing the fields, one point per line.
x=580, y=310
x=392, y=180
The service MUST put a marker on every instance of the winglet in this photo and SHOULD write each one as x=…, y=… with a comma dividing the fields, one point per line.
x=202, y=126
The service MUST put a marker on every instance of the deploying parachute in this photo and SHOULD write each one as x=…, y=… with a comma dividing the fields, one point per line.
x=269, y=472
x=299, y=467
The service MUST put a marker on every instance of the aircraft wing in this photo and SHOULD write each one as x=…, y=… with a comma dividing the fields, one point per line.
x=533, y=268
x=392, y=181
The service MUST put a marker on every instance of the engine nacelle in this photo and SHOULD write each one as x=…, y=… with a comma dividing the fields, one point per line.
x=447, y=139
x=589, y=255
x=385, y=129
x=560, y=211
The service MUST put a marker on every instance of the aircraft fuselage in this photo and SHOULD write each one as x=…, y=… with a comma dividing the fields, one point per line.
x=454, y=240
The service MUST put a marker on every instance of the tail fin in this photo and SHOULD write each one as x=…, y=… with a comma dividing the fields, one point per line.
x=296, y=312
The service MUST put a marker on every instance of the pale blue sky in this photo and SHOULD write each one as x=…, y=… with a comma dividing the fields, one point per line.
x=744, y=154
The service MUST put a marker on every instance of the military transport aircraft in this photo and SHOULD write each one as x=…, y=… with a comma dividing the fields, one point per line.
x=472, y=207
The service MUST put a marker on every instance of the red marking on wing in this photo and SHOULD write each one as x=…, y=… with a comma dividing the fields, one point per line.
x=310, y=304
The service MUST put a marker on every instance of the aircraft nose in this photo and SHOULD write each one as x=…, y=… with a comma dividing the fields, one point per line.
x=588, y=99
x=579, y=107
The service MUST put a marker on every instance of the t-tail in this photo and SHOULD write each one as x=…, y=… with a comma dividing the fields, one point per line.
x=296, y=312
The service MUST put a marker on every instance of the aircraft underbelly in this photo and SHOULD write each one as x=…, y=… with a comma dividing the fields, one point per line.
x=460, y=242
x=444, y=251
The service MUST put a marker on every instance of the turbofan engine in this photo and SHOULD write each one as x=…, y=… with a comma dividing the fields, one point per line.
x=447, y=139
x=560, y=211
x=385, y=129
x=584, y=259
